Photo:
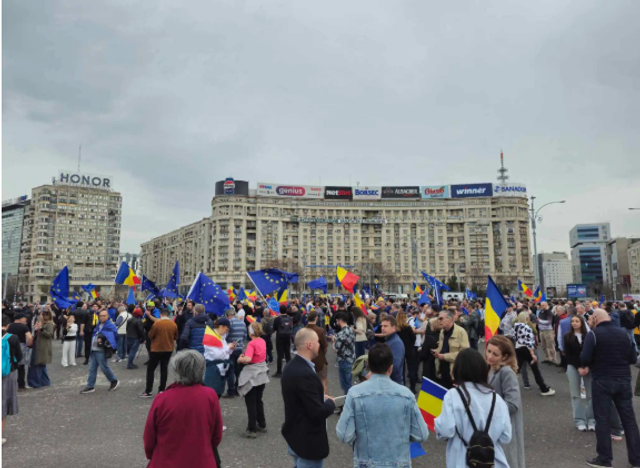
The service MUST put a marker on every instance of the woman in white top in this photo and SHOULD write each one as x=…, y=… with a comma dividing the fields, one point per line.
x=470, y=373
x=216, y=354
x=69, y=342
x=361, y=331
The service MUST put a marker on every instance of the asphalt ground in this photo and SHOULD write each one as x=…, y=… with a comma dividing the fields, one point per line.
x=58, y=427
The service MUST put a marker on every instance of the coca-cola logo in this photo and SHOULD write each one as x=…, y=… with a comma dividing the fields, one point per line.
x=290, y=191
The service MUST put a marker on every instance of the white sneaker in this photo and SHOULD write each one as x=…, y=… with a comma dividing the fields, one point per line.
x=582, y=427
x=3, y=441
x=224, y=428
x=591, y=427
x=549, y=392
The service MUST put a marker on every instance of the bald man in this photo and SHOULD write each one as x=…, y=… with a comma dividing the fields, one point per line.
x=306, y=407
x=607, y=353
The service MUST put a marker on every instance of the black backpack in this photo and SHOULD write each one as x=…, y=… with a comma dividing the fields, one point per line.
x=627, y=319
x=286, y=326
x=480, y=451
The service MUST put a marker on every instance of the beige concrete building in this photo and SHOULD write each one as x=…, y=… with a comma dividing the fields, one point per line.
x=469, y=237
x=75, y=221
x=633, y=255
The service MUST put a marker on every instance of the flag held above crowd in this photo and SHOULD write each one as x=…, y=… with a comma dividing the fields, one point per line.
x=525, y=290
x=131, y=298
x=126, y=275
x=268, y=280
x=347, y=280
x=171, y=289
x=204, y=291
x=494, y=307
x=319, y=283
x=148, y=285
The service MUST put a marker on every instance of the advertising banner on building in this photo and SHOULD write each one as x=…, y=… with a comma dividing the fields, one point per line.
x=435, y=191
x=230, y=186
x=471, y=190
x=293, y=191
x=84, y=180
x=401, y=192
x=338, y=193
x=576, y=290
x=367, y=193
x=511, y=189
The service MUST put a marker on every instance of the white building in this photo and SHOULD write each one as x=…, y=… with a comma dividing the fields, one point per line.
x=556, y=270
x=444, y=230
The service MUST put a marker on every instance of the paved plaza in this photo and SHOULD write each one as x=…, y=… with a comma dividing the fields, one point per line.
x=58, y=427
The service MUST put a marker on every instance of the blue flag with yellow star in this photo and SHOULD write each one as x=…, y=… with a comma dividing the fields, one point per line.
x=204, y=291
x=171, y=289
x=270, y=279
x=60, y=287
x=148, y=285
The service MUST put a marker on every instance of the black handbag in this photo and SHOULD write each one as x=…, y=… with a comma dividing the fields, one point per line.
x=105, y=345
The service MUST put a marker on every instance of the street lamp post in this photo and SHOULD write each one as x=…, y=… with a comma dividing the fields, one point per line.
x=533, y=215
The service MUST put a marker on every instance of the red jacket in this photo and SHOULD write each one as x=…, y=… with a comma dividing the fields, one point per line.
x=183, y=426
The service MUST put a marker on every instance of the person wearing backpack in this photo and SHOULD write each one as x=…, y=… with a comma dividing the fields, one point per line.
x=11, y=356
x=474, y=419
x=283, y=327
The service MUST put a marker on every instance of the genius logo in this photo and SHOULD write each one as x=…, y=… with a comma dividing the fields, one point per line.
x=291, y=191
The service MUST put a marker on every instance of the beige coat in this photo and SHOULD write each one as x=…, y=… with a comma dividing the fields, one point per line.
x=458, y=341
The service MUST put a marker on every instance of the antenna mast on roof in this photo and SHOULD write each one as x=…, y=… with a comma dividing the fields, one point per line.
x=503, y=177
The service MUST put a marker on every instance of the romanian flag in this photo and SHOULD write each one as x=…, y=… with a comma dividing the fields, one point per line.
x=211, y=338
x=127, y=276
x=250, y=318
x=523, y=287
x=416, y=288
x=231, y=293
x=281, y=296
x=347, y=280
x=494, y=306
x=359, y=303
x=94, y=294
x=537, y=295
x=430, y=401
x=252, y=296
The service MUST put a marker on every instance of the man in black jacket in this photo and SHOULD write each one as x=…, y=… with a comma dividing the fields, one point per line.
x=306, y=407
x=607, y=354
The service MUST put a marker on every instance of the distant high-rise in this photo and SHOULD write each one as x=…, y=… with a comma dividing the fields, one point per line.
x=75, y=221
x=588, y=254
x=12, y=226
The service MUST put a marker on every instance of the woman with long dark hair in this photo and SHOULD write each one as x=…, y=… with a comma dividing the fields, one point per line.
x=42, y=353
x=501, y=357
x=408, y=337
x=583, y=416
x=470, y=374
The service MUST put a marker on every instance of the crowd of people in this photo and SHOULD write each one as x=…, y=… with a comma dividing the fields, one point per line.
x=381, y=349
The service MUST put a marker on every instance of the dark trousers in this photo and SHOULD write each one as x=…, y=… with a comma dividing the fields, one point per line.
x=473, y=342
x=230, y=376
x=413, y=362
x=22, y=373
x=87, y=344
x=283, y=350
x=255, y=408
x=361, y=348
x=267, y=340
x=79, y=344
x=616, y=390
x=163, y=359
x=524, y=355
x=429, y=366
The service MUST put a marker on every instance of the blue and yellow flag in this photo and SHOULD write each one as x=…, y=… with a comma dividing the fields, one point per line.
x=494, y=307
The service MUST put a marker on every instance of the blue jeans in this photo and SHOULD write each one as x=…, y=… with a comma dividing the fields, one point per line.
x=303, y=462
x=616, y=390
x=121, y=343
x=38, y=376
x=361, y=348
x=79, y=344
x=344, y=371
x=132, y=345
x=97, y=359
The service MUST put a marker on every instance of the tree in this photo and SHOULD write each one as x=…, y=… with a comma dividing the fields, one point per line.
x=452, y=282
x=387, y=279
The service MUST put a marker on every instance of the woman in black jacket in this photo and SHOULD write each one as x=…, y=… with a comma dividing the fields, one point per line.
x=135, y=336
x=582, y=408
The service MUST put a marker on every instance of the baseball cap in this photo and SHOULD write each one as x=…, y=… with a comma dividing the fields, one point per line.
x=223, y=322
x=151, y=304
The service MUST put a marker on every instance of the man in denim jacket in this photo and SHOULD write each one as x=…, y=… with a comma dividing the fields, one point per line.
x=381, y=406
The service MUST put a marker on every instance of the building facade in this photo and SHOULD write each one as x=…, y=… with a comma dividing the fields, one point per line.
x=618, y=265
x=12, y=226
x=588, y=253
x=633, y=256
x=131, y=259
x=555, y=271
x=76, y=222
x=396, y=231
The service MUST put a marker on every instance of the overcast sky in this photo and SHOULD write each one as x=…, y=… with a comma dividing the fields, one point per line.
x=168, y=99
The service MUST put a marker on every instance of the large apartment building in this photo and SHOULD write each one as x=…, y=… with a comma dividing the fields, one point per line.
x=74, y=221
x=463, y=230
x=555, y=271
x=12, y=227
x=588, y=253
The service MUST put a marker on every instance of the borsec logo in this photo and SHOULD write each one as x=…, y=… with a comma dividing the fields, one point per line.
x=229, y=186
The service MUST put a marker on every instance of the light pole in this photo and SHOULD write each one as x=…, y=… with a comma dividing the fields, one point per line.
x=533, y=215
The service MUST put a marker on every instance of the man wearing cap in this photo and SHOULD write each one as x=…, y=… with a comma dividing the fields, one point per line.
x=607, y=354
x=193, y=332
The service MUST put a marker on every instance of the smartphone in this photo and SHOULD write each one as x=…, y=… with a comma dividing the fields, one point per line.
x=339, y=401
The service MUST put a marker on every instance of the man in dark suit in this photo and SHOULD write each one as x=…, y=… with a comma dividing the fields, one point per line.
x=306, y=407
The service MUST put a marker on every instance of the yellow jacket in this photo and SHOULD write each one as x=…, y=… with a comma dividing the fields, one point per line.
x=458, y=341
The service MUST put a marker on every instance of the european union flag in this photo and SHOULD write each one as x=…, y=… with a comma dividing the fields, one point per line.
x=148, y=285
x=63, y=303
x=435, y=281
x=171, y=289
x=242, y=295
x=274, y=305
x=60, y=287
x=471, y=294
x=269, y=280
x=424, y=299
x=319, y=283
x=88, y=288
x=204, y=291
x=131, y=298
